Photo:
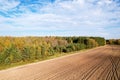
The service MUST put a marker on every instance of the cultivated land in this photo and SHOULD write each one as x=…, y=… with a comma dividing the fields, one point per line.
x=102, y=63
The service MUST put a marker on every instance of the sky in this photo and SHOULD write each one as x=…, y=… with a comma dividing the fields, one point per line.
x=60, y=18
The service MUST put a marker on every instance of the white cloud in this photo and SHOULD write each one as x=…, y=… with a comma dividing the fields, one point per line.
x=77, y=17
x=6, y=5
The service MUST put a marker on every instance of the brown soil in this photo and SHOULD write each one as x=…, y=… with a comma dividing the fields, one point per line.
x=102, y=63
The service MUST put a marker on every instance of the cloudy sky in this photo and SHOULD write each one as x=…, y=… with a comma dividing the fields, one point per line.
x=60, y=18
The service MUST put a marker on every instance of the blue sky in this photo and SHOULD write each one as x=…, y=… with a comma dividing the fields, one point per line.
x=60, y=18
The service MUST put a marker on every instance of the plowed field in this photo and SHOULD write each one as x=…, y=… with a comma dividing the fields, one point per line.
x=102, y=63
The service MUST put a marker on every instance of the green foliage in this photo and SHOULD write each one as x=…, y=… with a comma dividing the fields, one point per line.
x=37, y=53
x=10, y=55
x=51, y=51
x=27, y=49
x=26, y=53
x=7, y=60
x=43, y=51
x=101, y=41
x=2, y=58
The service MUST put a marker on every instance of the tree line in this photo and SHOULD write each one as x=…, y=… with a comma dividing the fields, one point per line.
x=25, y=49
x=113, y=41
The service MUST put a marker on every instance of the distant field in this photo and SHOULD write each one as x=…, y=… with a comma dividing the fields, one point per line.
x=102, y=63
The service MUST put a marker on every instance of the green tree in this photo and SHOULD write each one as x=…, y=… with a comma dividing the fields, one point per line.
x=43, y=51
x=26, y=53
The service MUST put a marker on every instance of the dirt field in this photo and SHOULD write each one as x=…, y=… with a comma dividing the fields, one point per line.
x=101, y=63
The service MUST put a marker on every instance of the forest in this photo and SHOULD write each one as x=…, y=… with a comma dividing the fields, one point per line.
x=113, y=41
x=27, y=49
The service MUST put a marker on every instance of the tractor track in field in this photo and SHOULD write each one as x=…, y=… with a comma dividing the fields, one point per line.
x=102, y=63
